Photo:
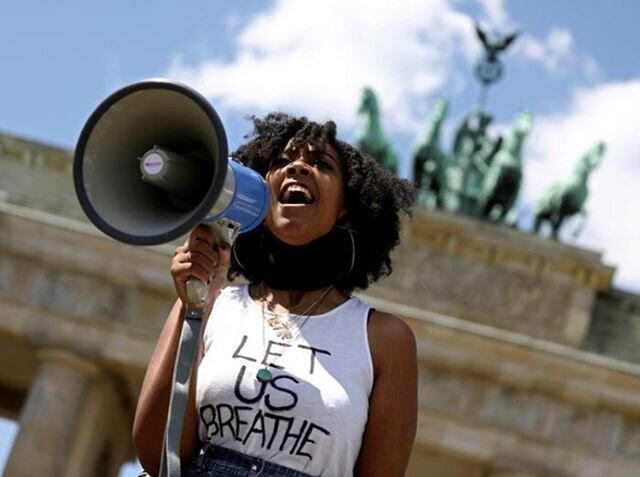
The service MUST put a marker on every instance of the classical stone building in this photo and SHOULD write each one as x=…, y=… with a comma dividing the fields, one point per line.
x=529, y=360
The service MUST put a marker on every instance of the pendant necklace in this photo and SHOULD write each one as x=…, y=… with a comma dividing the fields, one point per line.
x=282, y=330
x=275, y=319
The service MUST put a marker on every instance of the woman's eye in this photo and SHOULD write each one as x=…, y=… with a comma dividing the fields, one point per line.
x=279, y=162
x=323, y=164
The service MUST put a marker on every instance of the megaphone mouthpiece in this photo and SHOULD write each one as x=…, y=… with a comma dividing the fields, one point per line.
x=174, y=173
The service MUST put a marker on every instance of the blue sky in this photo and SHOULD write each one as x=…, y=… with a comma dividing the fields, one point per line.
x=574, y=67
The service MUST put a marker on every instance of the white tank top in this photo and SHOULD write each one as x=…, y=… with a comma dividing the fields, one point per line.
x=312, y=414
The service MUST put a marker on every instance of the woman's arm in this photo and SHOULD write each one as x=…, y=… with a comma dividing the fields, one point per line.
x=200, y=259
x=151, y=412
x=393, y=405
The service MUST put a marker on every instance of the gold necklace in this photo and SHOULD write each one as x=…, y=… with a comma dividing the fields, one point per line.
x=264, y=375
x=278, y=324
x=263, y=293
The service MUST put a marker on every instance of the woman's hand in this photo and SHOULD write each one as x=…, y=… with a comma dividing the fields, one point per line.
x=202, y=258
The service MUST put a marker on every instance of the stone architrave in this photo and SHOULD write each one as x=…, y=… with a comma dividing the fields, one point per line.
x=496, y=276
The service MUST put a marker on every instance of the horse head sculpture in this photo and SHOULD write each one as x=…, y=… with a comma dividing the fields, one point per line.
x=428, y=157
x=370, y=138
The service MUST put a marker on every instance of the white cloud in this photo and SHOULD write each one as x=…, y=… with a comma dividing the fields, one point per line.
x=495, y=13
x=609, y=113
x=556, y=53
x=315, y=57
x=553, y=52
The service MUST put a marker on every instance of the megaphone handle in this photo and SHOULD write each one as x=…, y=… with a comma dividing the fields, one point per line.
x=225, y=231
x=196, y=291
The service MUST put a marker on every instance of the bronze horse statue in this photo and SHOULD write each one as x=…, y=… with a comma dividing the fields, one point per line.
x=370, y=138
x=504, y=175
x=429, y=161
x=563, y=200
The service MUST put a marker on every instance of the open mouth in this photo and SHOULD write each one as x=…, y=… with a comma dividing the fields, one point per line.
x=296, y=194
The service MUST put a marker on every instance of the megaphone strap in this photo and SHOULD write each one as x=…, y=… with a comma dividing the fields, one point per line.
x=185, y=357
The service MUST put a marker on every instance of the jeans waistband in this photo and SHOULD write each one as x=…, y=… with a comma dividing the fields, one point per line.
x=213, y=456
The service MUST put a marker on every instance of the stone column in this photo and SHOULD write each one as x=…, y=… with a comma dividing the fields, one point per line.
x=101, y=441
x=50, y=416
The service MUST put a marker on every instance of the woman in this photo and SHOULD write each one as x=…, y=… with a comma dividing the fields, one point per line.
x=296, y=377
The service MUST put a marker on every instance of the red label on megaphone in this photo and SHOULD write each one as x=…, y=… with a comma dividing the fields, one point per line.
x=153, y=163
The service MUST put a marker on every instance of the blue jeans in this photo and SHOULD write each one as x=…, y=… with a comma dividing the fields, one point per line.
x=216, y=461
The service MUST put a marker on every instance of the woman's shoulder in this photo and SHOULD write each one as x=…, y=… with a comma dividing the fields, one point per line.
x=390, y=327
x=390, y=338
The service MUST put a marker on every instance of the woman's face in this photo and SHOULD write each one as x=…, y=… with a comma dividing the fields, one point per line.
x=307, y=192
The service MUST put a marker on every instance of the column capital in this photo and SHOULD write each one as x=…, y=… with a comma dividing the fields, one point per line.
x=68, y=358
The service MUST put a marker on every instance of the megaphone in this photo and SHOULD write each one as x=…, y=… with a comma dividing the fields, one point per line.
x=151, y=163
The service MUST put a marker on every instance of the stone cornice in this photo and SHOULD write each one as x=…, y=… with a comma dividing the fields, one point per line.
x=508, y=248
x=35, y=154
x=71, y=244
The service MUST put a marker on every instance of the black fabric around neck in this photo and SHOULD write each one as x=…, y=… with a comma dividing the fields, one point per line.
x=312, y=266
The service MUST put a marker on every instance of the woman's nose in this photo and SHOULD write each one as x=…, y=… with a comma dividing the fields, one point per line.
x=298, y=166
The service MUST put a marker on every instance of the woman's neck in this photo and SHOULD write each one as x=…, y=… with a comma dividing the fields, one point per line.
x=290, y=298
x=298, y=301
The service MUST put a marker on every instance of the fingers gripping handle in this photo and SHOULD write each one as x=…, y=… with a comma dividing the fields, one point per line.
x=225, y=231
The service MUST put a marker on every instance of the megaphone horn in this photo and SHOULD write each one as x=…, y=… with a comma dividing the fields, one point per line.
x=151, y=163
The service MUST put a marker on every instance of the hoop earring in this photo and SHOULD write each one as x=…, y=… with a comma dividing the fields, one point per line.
x=353, y=248
x=235, y=257
x=353, y=251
